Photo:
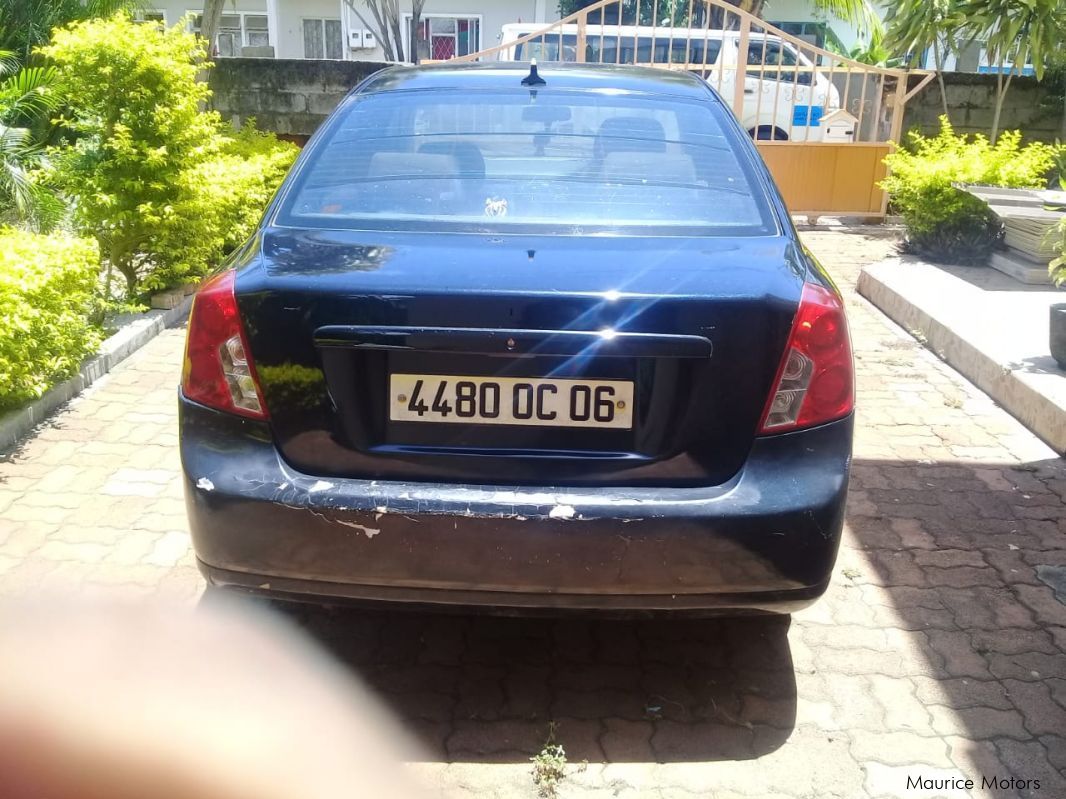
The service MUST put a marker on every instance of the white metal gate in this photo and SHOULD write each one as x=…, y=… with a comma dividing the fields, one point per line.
x=812, y=111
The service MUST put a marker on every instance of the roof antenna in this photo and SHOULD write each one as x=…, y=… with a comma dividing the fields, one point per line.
x=533, y=79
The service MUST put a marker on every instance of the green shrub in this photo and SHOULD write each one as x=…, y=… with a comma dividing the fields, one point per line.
x=226, y=194
x=1057, y=236
x=166, y=188
x=1057, y=267
x=46, y=298
x=944, y=223
x=250, y=167
x=135, y=104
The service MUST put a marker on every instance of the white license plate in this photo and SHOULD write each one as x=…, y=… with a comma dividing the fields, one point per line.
x=511, y=400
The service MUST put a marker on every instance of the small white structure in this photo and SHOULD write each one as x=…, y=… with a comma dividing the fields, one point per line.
x=361, y=39
x=839, y=126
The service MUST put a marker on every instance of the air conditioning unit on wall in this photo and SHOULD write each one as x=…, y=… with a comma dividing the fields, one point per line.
x=362, y=40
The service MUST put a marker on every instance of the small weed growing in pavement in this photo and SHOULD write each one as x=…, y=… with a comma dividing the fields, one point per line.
x=851, y=574
x=919, y=336
x=549, y=765
x=953, y=401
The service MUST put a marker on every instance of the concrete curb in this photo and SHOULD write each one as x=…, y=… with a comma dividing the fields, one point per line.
x=130, y=337
x=957, y=332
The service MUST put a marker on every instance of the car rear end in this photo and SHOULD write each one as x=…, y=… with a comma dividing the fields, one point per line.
x=522, y=348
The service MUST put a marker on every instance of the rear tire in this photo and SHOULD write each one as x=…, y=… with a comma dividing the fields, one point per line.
x=768, y=133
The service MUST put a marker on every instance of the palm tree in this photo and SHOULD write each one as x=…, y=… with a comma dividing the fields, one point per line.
x=914, y=26
x=26, y=95
x=25, y=24
x=1015, y=33
x=860, y=13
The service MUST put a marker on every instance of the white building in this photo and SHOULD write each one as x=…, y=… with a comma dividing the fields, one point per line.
x=330, y=29
x=802, y=19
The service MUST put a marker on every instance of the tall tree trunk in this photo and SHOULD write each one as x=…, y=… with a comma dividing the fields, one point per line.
x=938, y=58
x=1062, y=124
x=416, y=21
x=1001, y=94
x=998, y=104
x=397, y=35
x=211, y=19
x=107, y=287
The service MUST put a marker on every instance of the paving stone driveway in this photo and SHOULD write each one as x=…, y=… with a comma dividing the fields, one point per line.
x=938, y=651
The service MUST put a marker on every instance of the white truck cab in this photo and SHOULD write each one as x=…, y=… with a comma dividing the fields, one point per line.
x=785, y=96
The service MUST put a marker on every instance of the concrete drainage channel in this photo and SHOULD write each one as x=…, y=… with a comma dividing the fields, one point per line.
x=131, y=335
x=991, y=329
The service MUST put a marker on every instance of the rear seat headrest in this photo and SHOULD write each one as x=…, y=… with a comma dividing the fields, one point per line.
x=403, y=165
x=672, y=167
x=467, y=155
x=630, y=134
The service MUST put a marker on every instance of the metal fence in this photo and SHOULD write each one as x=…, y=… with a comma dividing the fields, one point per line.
x=781, y=87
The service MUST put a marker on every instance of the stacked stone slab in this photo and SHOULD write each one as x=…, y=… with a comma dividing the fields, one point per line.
x=1028, y=217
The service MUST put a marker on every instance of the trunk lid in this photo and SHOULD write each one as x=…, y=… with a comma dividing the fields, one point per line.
x=698, y=325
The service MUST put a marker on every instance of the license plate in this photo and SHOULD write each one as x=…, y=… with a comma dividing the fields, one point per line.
x=511, y=400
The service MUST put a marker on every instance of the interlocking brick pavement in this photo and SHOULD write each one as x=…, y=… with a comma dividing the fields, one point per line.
x=937, y=652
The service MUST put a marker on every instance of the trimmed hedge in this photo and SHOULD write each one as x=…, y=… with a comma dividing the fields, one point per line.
x=943, y=222
x=46, y=298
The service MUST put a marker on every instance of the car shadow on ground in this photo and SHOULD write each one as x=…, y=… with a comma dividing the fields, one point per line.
x=490, y=689
x=956, y=562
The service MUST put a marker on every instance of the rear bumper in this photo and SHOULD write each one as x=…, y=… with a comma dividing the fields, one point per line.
x=765, y=541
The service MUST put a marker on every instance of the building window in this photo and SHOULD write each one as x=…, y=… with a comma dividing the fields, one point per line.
x=234, y=32
x=323, y=38
x=228, y=40
x=256, y=30
x=445, y=37
x=811, y=32
x=146, y=15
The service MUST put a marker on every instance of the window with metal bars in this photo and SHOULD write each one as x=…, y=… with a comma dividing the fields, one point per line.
x=441, y=37
x=323, y=38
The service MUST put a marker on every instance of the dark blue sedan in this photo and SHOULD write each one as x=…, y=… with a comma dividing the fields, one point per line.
x=522, y=341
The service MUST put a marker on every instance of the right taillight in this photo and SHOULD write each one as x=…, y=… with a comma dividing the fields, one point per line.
x=815, y=382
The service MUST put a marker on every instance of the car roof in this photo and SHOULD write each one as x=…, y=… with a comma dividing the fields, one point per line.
x=509, y=74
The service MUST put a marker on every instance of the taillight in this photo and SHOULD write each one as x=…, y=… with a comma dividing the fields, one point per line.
x=815, y=382
x=218, y=369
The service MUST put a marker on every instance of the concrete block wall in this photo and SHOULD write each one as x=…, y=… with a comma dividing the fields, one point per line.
x=288, y=96
x=971, y=99
x=292, y=97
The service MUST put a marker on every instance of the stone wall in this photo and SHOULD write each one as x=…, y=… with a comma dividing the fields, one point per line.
x=288, y=96
x=291, y=97
x=971, y=100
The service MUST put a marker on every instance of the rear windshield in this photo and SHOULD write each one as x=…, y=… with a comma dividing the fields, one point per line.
x=572, y=162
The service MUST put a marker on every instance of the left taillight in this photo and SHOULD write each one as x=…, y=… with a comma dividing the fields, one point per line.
x=815, y=381
x=218, y=370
